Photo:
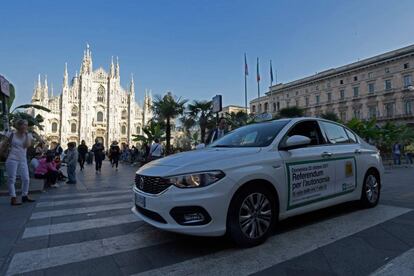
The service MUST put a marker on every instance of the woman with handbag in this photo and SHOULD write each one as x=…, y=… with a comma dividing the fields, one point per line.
x=15, y=147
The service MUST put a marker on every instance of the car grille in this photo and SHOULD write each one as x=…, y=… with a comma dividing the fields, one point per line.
x=151, y=184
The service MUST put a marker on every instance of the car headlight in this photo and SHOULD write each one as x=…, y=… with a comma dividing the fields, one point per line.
x=194, y=180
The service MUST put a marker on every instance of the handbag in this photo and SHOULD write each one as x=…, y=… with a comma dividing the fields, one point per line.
x=5, y=148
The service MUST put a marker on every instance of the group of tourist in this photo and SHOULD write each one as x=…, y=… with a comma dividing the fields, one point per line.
x=399, y=150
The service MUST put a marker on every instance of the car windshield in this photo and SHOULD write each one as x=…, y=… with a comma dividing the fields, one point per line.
x=256, y=135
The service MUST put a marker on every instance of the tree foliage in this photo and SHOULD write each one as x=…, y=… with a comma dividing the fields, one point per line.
x=166, y=109
x=151, y=131
x=330, y=116
x=201, y=112
x=291, y=112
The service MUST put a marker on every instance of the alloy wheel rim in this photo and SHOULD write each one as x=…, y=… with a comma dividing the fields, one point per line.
x=255, y=215
x=372, y=188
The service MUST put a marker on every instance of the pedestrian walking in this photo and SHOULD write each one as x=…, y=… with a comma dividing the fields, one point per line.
x=58, y=150
x=156, y=150
x=98, y=150
x=82, y=151
x=114, y=153
x=396, y=153
x=217, y=132
x=14, y=148
x=71, y=161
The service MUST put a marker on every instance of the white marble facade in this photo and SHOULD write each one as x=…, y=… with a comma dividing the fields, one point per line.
x=93, y=105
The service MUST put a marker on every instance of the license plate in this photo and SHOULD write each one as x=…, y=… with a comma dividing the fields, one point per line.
x=140, y=200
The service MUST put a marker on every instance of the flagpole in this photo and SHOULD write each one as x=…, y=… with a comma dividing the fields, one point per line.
x=245, y=82
x=258, y=79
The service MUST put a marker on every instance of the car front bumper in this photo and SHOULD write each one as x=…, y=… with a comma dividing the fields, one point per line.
x=214, y=199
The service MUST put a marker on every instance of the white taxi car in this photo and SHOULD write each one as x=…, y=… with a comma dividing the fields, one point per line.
x=256, y=175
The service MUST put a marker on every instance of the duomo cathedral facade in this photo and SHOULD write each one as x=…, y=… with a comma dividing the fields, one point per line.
x=93, y=105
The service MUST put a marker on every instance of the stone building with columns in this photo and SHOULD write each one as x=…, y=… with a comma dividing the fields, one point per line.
x=380, y=86
x=93, y=105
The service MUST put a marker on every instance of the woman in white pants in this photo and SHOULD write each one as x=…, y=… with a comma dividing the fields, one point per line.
x=16, y=162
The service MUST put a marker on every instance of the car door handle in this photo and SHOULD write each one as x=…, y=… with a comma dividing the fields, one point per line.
x=326, y=154
x=358, y=151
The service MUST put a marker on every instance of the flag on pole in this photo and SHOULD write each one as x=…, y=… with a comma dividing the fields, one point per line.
x=246, y=68
x=271, y=73
x=258, y=74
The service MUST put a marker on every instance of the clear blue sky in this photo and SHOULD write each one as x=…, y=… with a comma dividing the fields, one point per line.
x=195, y=47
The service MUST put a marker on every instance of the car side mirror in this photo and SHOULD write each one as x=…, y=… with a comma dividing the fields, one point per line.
x=295, y=141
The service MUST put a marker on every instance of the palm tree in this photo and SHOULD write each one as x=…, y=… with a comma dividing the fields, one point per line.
x=188, y=123
x=201, y=111
x=151, y=131
x=238, y=119
x=167, y=108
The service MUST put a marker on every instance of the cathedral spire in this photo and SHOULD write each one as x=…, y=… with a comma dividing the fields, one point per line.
x=65, y=76
x=117, y=68
x=112, y=69
x=51, y=92
x=132, y=85
x=45, y=89
x=86, y=67
x=39, y=83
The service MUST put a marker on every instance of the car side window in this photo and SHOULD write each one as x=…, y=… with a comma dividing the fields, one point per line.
x=351, y=136
x=335, y=133
x=309, y=129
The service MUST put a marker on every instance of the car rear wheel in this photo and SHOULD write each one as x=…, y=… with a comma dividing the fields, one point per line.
x=251, y=216
x=371, y=189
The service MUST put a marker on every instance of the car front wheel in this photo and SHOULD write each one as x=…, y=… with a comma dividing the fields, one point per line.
x=371, y=189
x=251, y=216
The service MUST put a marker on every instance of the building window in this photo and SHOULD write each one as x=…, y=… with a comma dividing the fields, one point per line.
x=274, y=107
x=287, y=95
x=287, y=103
x=278, y=106
x=407, y=81
x=74, y=111
x=317, y=99
x=387, y=70
x=307, y=101
x=73, y=128
x=408, y=108
x=99, y=116
x=356, y=92
x=342, y=94
x=329, y=97
x=341, y=82
x=266, y=107
x=138, y=129
x=124, y=114
x=371, y=88
x=54, y=127
x=317, y=87
x=357, y=113
x=328, y=85
x=260, y=108
x=370, y=75
x=297, y=93
x=296, y=102
x=101, y=93
x=253, y=108
x=356, y=78
x=123, y=129
x=389, y=109
x=372, y=112
x=406, y=65
x=388, y=85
